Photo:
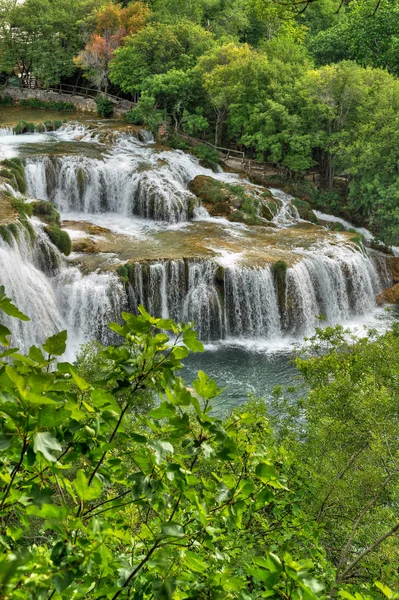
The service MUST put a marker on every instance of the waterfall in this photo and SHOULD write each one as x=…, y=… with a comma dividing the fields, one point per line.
x=335, y=281
x=128, y=184
x=202, y=303
x=88, y=303
x=287, y=213
x=30, y=290
x=250, y=303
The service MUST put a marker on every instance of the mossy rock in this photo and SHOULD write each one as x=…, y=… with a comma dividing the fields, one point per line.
x=13, y=170
x=305, y=210
x=279, y=270
x=226, y=199
x=47, y=212
x=60, y=239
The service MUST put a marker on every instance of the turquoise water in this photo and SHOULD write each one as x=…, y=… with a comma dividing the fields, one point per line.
x=242, y=373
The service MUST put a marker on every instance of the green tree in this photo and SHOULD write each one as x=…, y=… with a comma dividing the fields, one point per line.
x=347, y=445
x=361, y=34
x=155, y=50
x=39, y=38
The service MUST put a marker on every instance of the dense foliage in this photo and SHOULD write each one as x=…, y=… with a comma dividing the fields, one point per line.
x=118, y=481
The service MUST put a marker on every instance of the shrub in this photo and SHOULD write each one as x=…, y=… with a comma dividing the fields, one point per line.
x=208, y=156
x=6, y=101
x=105, y=107
x=49, y=105
x=60, y=239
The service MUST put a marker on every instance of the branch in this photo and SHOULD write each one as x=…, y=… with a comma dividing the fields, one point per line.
x=340, y=476
x=368, y=550
x=358, y=521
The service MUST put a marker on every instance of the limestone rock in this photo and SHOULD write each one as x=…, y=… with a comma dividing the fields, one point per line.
x=389, y=295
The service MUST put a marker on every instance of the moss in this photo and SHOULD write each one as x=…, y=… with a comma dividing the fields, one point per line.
x=46, y=211
x=358, y=239
x=305, y=210
x=60, y=239
x=337, y=227
x=122, y=271
x=14, y=167
x=5, y=233
x=24, y=209
x=279, y=270
x=130, y=271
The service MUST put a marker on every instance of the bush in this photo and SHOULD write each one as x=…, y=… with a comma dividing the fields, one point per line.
x=105, y=107
x=6, y=101
x=146, y=114
x=208, y=156
x=60, y=239
x=49, y=105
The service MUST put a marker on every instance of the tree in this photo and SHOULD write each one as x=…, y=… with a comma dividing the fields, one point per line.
x=156, y=50
x=97, y=502
x=359, y=35
x=38, y=38
x=113, y=24
x=348, y=448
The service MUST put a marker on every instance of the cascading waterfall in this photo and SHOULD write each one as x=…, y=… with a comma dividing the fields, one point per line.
x=30, y=290
x=202, y=303
x=123, y=183
x=250, y=303
x=336, y=282
x=227, y=301
x=88, y=303
x=53, y=295
x=242, y=302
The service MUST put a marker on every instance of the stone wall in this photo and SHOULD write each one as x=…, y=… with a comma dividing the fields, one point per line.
x=82, y=104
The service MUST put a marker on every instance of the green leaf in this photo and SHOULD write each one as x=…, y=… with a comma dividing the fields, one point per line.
x=56, y=344
x=266, y=472
x=44, y=442
x=191, y=341
x=194, y=563
x=173, y=530
x=162, y=449
x=206, y=387
x=36, y=354
x=4, y=333
x=80, y=382
x=83, y=490
x=8, y=307
x=163, y=411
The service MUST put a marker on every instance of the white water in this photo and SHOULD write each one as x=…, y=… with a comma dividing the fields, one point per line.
x=53, y=295
x=125, y=191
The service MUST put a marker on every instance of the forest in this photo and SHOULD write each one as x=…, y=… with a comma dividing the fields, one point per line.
x=119, y=479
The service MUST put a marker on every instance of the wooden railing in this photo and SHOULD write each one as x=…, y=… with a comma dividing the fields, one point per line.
x=78, y=90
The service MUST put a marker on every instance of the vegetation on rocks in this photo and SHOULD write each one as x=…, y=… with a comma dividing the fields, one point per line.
x=12, y=170
x=49, y=105
x=226, y=199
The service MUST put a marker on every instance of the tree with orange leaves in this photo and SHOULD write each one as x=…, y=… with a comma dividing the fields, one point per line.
x=113, y=24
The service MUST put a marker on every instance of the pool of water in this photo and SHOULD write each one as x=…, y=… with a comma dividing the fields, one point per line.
x=242, y=373
x=246, y=370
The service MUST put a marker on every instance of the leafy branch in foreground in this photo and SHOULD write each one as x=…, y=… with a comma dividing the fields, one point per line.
x=99, y=503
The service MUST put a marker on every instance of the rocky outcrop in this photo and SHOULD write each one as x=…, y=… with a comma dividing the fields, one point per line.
x=389, y=295
x=233, y=201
